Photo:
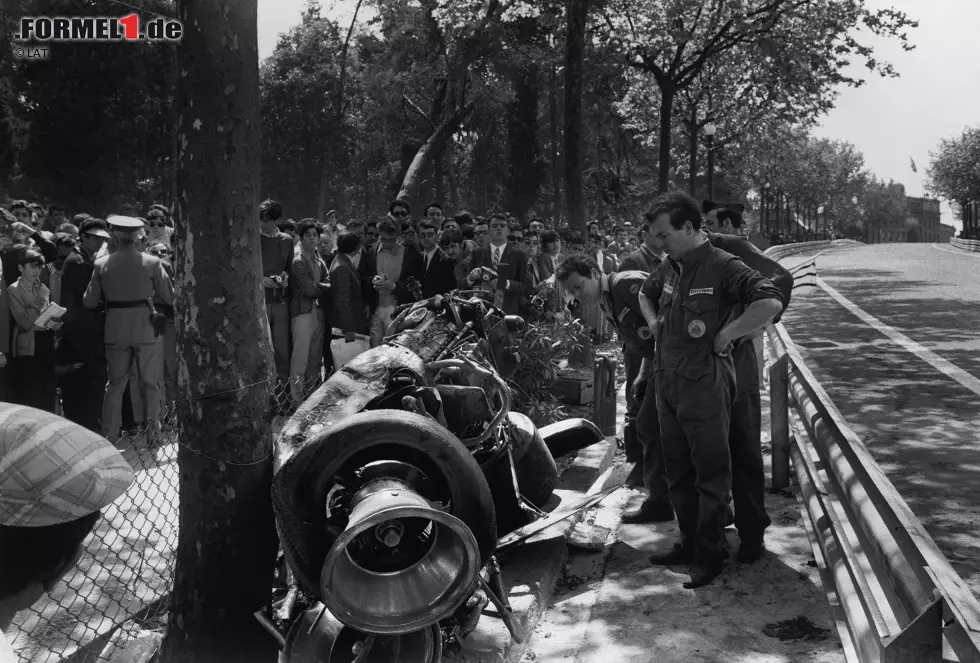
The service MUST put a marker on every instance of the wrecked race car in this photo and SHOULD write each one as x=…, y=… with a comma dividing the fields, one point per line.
x=396, y=479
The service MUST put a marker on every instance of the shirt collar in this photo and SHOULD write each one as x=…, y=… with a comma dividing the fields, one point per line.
x=693, y=257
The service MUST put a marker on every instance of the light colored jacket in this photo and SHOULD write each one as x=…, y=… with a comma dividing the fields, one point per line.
x=128, y=275
x=25, y=306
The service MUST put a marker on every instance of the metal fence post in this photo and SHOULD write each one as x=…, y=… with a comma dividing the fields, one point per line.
x=779, y=420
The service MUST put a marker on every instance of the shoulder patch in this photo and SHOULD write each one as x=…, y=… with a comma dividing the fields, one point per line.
x=635, y=288
x=700, y=291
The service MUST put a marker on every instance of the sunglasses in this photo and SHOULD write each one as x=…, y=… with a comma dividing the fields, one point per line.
x=399, y=214
x=156, y=225
x=482, y=232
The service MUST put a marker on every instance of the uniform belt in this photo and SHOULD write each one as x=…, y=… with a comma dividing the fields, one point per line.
x=127, y=303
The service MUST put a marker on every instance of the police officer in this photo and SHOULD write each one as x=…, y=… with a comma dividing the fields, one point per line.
x=127, y=282
x=745, y=433
x=54, y=479
x=617, y=296
x=645, y=259
x=694, y=299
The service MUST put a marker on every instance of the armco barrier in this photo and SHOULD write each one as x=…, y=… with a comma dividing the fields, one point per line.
x=894, y=595
x=966, y=244
x=780, y=251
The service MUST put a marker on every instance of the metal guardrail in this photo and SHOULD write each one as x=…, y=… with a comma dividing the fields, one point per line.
x=894, y=595
x=966, y=244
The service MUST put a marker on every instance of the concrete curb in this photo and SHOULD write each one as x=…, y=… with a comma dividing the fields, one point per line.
x=532, y=569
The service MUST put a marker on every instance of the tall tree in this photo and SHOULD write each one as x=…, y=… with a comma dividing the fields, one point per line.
x=577, y=15
x=673, y=40
x=227, y=543
x=954, y=170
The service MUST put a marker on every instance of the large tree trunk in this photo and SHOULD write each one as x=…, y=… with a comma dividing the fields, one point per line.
x=554, y=118
x=524, y=180
x=435, y=142
x=227, y=543
x=578, y=14
x=451, y=175
x=666, y=123
x=692, y=175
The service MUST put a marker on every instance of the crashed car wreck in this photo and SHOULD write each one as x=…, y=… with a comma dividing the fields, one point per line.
x=395, y=481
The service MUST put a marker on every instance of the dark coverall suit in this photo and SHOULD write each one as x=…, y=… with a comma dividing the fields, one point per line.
x=745, y=434
x=642, y=260
x=620, y=304
x=696, y=387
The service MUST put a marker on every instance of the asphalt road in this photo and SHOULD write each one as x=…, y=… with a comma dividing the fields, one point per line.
x=892, y=331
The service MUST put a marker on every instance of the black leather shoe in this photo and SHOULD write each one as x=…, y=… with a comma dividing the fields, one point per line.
x=703, y=574
x=649, y=513
x=750, y=551
x=676, y=555
x=635, y=477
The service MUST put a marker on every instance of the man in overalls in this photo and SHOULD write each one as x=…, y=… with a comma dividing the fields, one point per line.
x=695, y=297
x=745, y=434
x=617, y=296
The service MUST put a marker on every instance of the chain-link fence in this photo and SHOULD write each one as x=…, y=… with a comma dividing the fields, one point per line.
x=118, y=594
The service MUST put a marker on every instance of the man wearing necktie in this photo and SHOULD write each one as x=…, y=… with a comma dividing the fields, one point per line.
x=438, y=274
x=508, y=263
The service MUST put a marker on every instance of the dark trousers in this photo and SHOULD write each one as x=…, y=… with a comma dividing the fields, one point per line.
x=648, y=433
x=745, y=444
x=695, y=416
x=81, y=400
x=634, y=450
x=33, y=380
x=83, y=390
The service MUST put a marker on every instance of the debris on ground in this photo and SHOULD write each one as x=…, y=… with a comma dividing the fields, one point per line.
x=796, y=629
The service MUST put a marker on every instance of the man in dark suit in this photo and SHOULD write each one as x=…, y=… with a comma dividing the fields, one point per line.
x=438, y=268
x=508, y=262
x=350, y=308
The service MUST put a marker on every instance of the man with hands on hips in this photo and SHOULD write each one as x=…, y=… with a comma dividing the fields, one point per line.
x=691, y=302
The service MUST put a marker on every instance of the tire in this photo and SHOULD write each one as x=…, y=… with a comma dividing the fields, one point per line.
x=570, y=435
x=301, y=486
x=537, y=472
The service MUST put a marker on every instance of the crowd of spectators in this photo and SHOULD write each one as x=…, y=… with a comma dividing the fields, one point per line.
x=323, y=281
x=60, y=365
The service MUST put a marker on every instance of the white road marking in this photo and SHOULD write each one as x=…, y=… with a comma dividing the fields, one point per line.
x=945, y=367
x=972, y=254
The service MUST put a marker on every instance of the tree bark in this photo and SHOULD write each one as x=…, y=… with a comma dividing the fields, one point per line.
x=430, y=148
x=578, y=14
x=553, y=121
x=692, y=181
x=666, y=123
x=524, y=181
x=338, y=114
x=227, y=544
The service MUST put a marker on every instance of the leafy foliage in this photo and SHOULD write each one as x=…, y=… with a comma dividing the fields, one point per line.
x=954, y=170
x=542, y=347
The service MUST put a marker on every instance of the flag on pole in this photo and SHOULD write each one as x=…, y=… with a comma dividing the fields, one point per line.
x=912, y=161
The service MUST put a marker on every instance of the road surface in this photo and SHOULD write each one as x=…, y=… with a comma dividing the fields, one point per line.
x=893, y=333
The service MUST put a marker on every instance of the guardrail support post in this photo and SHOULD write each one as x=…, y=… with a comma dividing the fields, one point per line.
x=779, y=420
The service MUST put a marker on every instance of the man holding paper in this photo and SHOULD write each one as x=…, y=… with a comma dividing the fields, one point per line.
x=32, y=350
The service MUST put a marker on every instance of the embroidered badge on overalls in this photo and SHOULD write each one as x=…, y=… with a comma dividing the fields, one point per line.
x=696, y=328
x=669, y=288
x=645, y=333
x=701, y=291
x=635, y=288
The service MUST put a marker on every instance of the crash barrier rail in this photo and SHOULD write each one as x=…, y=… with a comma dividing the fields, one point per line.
x=120, y=590
x=780, y=251
x=966, y=244
x=894, y=594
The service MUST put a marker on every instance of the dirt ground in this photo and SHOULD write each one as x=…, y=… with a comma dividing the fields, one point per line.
x=614, y=606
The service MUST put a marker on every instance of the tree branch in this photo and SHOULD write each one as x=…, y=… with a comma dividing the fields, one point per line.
x=411, y=104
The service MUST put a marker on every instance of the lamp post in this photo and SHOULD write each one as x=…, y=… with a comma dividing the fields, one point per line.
x=709, y=130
